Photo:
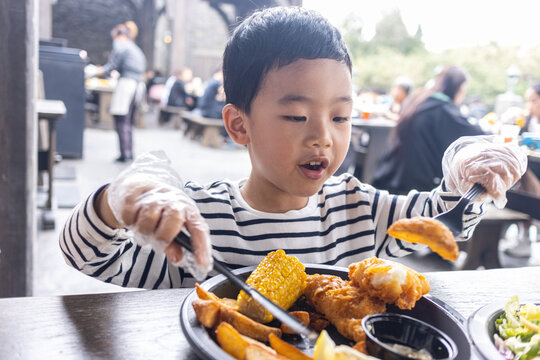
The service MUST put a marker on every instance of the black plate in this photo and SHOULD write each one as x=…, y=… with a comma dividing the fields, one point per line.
x=428, y=309
x=481, y=327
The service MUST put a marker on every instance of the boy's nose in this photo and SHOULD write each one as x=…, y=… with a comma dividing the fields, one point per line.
x=319, y=135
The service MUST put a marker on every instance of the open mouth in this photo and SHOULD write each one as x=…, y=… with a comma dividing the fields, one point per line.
x=313, y=165
x=314, y=168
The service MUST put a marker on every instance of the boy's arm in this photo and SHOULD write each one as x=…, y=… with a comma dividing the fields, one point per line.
x=103, y=210
x=110, y=254
x=148, y=200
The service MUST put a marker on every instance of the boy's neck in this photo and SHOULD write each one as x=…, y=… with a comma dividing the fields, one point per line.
x=268, y=198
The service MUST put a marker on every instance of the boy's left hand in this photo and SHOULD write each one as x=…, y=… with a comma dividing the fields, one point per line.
x=484, y=160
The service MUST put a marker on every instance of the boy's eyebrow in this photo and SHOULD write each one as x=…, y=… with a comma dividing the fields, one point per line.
x=291, y=98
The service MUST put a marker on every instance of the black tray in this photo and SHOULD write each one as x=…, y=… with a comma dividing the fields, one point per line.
x=428, y=309
x=481, y=328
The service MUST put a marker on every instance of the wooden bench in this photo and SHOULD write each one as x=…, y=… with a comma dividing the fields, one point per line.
x=177, y=114
x=483, y=247
x=208, y=128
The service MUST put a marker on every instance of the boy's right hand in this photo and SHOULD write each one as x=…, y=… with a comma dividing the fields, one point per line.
x=156, y=211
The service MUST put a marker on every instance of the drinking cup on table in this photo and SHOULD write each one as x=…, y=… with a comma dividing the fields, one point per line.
x=510, y=133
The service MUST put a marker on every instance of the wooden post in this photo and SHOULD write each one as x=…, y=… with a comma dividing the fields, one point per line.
x=18, y=145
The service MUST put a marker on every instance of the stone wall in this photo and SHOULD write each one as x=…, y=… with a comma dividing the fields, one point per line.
x=198, y=32
x=87, y=24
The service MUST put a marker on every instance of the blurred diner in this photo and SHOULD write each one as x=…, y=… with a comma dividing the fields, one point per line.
x=426, y=127
x=399, y=92
x=213, y=99
x=128, y=60
x=175, y=93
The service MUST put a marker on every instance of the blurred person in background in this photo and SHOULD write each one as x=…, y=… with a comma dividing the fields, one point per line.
x=532, y=106
x=133, y=29
x=213, y=99
x=129, y=61
x=399, y=92
x=529, y=183
x=428, y=124
x=175, y=94
x=154, y=77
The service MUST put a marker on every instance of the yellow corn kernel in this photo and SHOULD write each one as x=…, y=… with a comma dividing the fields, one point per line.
x=279, y=277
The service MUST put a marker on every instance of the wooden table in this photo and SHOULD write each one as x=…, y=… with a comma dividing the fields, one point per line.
x=534, y=156
x=104, y=93
x=145, y=324
x=378, y=130
x=52, y=111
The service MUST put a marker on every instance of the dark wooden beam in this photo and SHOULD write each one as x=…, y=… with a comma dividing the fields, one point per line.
x=18, y=145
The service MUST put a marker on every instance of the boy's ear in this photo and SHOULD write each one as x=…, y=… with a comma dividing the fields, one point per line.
x=235, y=124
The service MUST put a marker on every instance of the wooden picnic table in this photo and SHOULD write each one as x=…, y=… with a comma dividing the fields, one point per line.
x=146, y=324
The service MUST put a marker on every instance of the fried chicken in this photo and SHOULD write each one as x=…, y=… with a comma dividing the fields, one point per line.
x=344, y=305
x=389, y=281
x=428, y=231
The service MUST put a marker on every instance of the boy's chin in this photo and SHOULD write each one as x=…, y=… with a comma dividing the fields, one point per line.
x=308, y=190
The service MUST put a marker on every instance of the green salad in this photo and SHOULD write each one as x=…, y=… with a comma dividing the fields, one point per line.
x=518, y=331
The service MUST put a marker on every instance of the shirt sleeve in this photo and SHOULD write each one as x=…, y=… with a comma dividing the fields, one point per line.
x=112, y=255
x=387, y=208
x=114, y=61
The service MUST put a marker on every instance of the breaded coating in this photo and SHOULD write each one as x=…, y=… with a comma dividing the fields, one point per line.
x=389, y=281
x=428, y=231
x=344, y=305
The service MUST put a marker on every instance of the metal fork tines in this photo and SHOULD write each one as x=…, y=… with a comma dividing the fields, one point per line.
x=453, y=218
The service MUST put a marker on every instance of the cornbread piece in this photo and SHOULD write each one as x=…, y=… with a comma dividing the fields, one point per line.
x=279, y=277
x=428, y=231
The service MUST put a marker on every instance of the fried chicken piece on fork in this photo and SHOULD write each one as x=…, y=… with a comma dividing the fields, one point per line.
x=389, y=281
x=342, y=304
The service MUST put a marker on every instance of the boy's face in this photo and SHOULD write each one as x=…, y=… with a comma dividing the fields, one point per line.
x=299, y=129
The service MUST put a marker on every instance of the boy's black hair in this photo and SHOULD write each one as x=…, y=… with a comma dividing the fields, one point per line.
x=272, y=38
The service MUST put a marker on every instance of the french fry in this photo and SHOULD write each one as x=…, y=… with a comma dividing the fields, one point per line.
x=231, y=341
x=254, y=352
x=286, y=349
x=207, y=312
x=302, y=316
x=211, y=311
x=207, y=295
x=230, y=303
x=246, y=326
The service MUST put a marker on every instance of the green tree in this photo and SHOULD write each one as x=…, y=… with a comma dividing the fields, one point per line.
x=393, y=52
x=390, y=32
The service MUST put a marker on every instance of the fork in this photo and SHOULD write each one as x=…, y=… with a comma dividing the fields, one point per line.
x=453, y=218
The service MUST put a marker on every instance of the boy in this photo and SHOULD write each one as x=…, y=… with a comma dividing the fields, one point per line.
x=287, y=79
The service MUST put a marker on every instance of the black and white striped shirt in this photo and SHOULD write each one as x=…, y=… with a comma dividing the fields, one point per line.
x=344, y=222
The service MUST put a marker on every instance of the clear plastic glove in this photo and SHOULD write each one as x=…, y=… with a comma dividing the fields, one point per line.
x=486, y=160
x=147, y=198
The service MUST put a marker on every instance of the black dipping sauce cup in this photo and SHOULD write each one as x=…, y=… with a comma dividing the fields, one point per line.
x=383, y=330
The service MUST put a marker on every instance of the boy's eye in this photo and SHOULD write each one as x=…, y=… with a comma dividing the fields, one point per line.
x=295, y=118
x=341, y=119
